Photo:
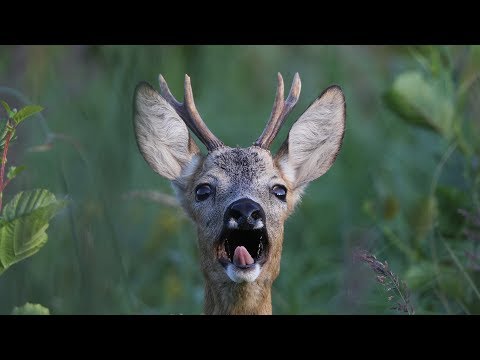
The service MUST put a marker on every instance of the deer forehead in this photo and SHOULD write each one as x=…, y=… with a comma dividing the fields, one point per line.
x=240, y=166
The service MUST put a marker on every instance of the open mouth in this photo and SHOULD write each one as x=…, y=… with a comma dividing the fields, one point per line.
x=243, y=248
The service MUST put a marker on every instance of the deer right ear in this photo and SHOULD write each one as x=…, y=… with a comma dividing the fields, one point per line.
x=315, y=139
x=162, y=136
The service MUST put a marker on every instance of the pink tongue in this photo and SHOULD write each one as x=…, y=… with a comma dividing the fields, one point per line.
x=242, y=256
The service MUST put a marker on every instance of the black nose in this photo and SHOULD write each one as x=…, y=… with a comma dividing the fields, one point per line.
x=245, y=212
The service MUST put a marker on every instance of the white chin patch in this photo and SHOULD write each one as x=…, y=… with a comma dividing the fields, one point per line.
x=243, y=275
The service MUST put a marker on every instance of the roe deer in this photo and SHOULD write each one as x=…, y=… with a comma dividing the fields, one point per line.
x=239, y=198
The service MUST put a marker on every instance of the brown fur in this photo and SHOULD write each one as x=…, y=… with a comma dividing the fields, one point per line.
x=236, y=173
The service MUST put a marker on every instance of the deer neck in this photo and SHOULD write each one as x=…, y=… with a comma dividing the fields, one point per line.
x=238, y=299
x=226, y=297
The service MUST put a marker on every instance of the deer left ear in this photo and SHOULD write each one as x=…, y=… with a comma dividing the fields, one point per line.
x=315, y=139
x=162, y=136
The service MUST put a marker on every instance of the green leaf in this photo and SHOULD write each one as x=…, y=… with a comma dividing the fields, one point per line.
x=25, y=220
x=11, y=113
x=30, y=309
x=3, y=133
x=26, y=112
x=7, y=109
x=14, y=171
x=428, y=103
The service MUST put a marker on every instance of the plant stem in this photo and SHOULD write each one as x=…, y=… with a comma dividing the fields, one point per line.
x=461, y=268
x=4, y=162
x=439, y=168
x=396, y=284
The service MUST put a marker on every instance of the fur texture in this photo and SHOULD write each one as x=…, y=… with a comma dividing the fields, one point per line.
x=162, y=136
x=235, y=173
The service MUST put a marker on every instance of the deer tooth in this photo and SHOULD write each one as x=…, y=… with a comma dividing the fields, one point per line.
x=227, y=247
x=260, y=248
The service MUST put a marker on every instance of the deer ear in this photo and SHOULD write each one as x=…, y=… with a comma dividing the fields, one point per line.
x=315, y=139
x=162, y=136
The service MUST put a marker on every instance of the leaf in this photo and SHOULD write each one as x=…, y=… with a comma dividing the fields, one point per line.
x=25, y=220
x=11, y=113
x=14, y=171
x=428, y=103
x=30, y=309
x=7, y=109
x=3, y=133
x=26, y=112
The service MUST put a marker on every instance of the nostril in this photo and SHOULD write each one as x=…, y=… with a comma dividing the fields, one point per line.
x=245, y=212
x=235, y=214
x=256, y=215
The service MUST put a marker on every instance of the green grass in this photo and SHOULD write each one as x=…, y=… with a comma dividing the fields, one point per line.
x=107, y=254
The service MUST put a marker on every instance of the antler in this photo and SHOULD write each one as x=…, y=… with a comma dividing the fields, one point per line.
x=188, y=112
x=281, y=109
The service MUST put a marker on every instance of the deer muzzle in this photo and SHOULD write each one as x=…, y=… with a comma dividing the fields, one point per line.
x=243, y=244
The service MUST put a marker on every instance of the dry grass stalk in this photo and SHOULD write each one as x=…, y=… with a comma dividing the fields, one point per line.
x=154, y=196
x=396, y=289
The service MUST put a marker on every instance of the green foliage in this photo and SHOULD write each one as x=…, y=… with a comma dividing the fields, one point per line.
x=449, y=200
x=26, y=217
x=31, y=309
x=421, y=101
x=26, y=112
x=436, y=233
x=10, y=113
x=406, y=166
x=8, y=127
x=5, y=129
x=23, y=224
x=13, y=171
x=423, y=217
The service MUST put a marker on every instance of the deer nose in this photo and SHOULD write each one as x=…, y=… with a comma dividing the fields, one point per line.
x=245, y=212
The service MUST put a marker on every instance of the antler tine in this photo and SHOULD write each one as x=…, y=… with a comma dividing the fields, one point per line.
x=280, y=111
x=188, y=112
x=167, y=95
x=196, y=123
x=276, y=111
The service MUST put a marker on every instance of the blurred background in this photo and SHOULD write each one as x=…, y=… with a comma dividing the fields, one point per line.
x=405, y=186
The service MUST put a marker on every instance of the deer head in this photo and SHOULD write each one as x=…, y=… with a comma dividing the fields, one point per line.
x=239, y=198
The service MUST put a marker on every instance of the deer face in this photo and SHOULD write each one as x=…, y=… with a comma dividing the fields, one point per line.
x=239, y=198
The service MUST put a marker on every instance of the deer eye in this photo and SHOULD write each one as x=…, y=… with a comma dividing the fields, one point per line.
x=280, y=192
x=202, y=192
